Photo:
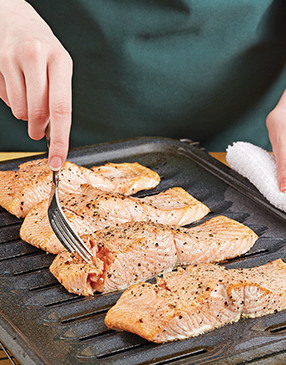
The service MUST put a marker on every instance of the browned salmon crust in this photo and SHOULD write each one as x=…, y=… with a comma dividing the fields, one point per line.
x=90, y=209
x=21, y=190
x=190, y=302
x=133, y=252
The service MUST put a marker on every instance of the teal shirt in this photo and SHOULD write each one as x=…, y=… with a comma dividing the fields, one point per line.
x=209, y=70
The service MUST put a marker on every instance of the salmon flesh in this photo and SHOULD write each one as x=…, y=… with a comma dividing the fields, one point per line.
x=190, y=302
x=134, y=252
x=21, y=190
x=90, y=209
x=127, y=178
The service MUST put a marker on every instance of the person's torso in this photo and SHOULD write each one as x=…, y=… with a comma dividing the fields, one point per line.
x=204, y=69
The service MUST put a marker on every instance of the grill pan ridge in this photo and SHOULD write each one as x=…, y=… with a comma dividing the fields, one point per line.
x=41, y=323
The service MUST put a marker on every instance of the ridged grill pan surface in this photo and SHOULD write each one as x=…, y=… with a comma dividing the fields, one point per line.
x=41, y=323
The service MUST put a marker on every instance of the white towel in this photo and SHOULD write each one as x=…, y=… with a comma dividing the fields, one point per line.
x=259, y=167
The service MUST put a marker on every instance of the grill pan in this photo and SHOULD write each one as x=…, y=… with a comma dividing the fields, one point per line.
x=41, y=323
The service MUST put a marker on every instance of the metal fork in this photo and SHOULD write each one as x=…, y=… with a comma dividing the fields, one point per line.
x=58, y=221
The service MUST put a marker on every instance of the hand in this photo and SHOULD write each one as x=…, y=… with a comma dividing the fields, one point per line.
x=276, y=125
x=35, y=76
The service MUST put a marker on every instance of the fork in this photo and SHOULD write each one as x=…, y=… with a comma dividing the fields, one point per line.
x=58, y=221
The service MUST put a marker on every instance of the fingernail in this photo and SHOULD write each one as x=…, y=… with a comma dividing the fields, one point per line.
x=55, y=163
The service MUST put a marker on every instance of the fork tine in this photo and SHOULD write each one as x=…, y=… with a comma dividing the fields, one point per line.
x=70, y=245
x=78, y=243
x=68, y=226
x=59, y=223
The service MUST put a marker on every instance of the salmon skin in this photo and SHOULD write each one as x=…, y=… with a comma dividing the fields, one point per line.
x=190, y=302
x=91, y=209
x=138, y=251
x=21, y=190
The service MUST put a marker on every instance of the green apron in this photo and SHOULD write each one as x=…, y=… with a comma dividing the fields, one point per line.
x=209, y=70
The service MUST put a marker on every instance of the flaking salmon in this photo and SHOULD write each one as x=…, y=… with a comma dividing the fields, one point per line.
x=74, y=273
x=92, y=209
x=130, y=253
x=133, y=252
x=190, y=302
x=23, y=189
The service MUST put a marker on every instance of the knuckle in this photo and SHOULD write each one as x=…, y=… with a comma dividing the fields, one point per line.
x=59, y=145
x=4, y=58
x=279, y=144
x=61, y=55
x=61, y=110
x=32, y=49
x=39, y=115
x=7, y=58
x=274, y=117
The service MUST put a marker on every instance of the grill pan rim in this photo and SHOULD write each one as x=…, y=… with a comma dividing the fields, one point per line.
x=15, y=341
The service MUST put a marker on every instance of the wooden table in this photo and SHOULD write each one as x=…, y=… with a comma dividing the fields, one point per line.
x=4, y=156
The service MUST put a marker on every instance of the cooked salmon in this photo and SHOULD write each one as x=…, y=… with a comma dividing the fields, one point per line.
x=21, y=190
x=190, y=302
x=127, y=178
x=37, y=231
x=74, y=273
x=133, y=252
x=174, y=206
x=130, y=253
x=94, y=209
x=217, y=239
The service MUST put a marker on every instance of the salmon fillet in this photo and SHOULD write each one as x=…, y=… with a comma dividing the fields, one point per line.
x=175, y=207
x=133, y=252
x=37, y=231
x=92, y=209
x=74, y=273
x=21, y=190
x=130, y=253
x=217, y=239
x=127, y=178
x=190, y=302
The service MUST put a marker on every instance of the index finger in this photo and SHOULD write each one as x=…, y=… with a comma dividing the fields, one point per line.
x=60, y=108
